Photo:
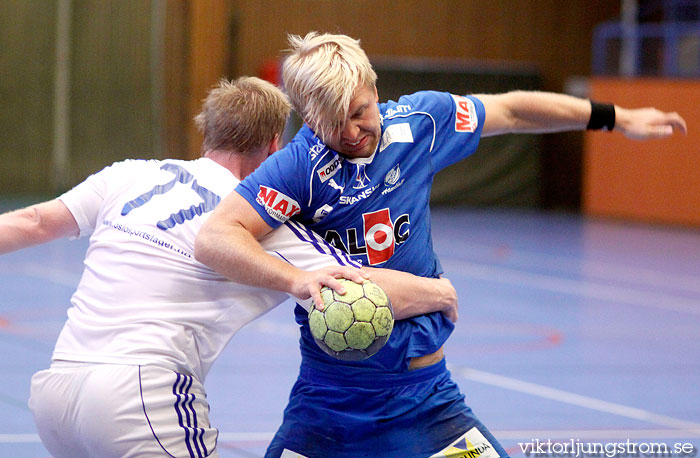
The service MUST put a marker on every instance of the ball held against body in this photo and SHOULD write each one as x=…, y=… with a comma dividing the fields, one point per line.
x=355, y=325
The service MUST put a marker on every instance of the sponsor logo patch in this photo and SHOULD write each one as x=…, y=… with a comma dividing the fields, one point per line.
x=290, y=454
x=393, y=176
x=391, y=180
x=361, y=179
x=335, y=185
x=465, y=114
x=472, y=444
x=326, y=171
x=280, y=206
x=396, y=133
x=316, y=149
x=398, y=109
x=380, y=236
x=322, y=212
x=352, y=200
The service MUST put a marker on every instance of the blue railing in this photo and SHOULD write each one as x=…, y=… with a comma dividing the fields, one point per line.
x=670, y=49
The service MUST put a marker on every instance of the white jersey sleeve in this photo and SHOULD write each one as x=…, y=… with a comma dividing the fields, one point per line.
x=85, y=200
x=303, y=248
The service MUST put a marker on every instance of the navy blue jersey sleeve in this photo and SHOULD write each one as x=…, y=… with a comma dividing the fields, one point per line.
x=277, y=188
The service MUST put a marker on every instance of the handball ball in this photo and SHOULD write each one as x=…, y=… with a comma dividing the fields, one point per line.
x=355, y=325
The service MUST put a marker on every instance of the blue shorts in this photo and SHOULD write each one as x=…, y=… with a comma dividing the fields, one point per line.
x=413, y=414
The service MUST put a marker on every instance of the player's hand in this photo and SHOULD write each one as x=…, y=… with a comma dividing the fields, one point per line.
x=648, y=123
x=448, y=297
x=309, y=283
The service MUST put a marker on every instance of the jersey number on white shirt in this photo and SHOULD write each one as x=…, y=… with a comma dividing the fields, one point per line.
x=209, y=199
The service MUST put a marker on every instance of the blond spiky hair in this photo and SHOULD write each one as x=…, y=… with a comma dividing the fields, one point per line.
x=321, y=74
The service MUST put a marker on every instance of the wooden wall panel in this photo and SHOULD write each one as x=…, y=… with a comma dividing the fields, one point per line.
x=114, y=100
x=552, y=34
x=209, y=48
x=653, y=181
x=27, y=36
x=111, y=105
x=176, y=80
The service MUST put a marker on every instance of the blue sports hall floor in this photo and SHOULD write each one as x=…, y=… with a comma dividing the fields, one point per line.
x=571, y=329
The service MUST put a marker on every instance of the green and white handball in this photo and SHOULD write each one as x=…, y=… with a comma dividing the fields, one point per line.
x=355, y=325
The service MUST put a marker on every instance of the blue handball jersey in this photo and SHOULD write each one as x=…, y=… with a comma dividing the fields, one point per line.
x=376, y=209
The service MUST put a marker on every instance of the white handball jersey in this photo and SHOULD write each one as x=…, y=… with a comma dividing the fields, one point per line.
x=143, y=298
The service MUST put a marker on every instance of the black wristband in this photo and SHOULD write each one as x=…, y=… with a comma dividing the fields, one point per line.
x=602, y=116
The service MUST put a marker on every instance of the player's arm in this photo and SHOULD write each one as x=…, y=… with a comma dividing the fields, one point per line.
x=543, y=112
x=411, y=295
x=36, y=224
x=228, y=242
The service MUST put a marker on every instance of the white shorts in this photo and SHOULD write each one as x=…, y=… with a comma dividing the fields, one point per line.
x=112, y=410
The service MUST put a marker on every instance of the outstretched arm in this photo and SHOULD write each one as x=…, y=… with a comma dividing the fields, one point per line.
x=228, y=242
x=544, y=112
x=36, y=224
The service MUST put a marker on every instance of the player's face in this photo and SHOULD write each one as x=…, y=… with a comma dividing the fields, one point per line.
x=362, y=130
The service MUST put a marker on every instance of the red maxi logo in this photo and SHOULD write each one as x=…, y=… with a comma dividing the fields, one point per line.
x=278, y=205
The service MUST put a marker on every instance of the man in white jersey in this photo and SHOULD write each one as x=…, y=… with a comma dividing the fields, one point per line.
x=147, y=320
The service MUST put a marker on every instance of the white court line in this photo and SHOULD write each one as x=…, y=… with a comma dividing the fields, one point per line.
x=36, y=270
x=244, y=437
x=593, y=434
x=602, y=270
x=510, y=434
x=19, y=438
x=268, y=326
x=575, y=399
x=582, y=288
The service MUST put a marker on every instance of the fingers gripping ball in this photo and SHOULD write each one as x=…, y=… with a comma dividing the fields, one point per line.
x=353, y=326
